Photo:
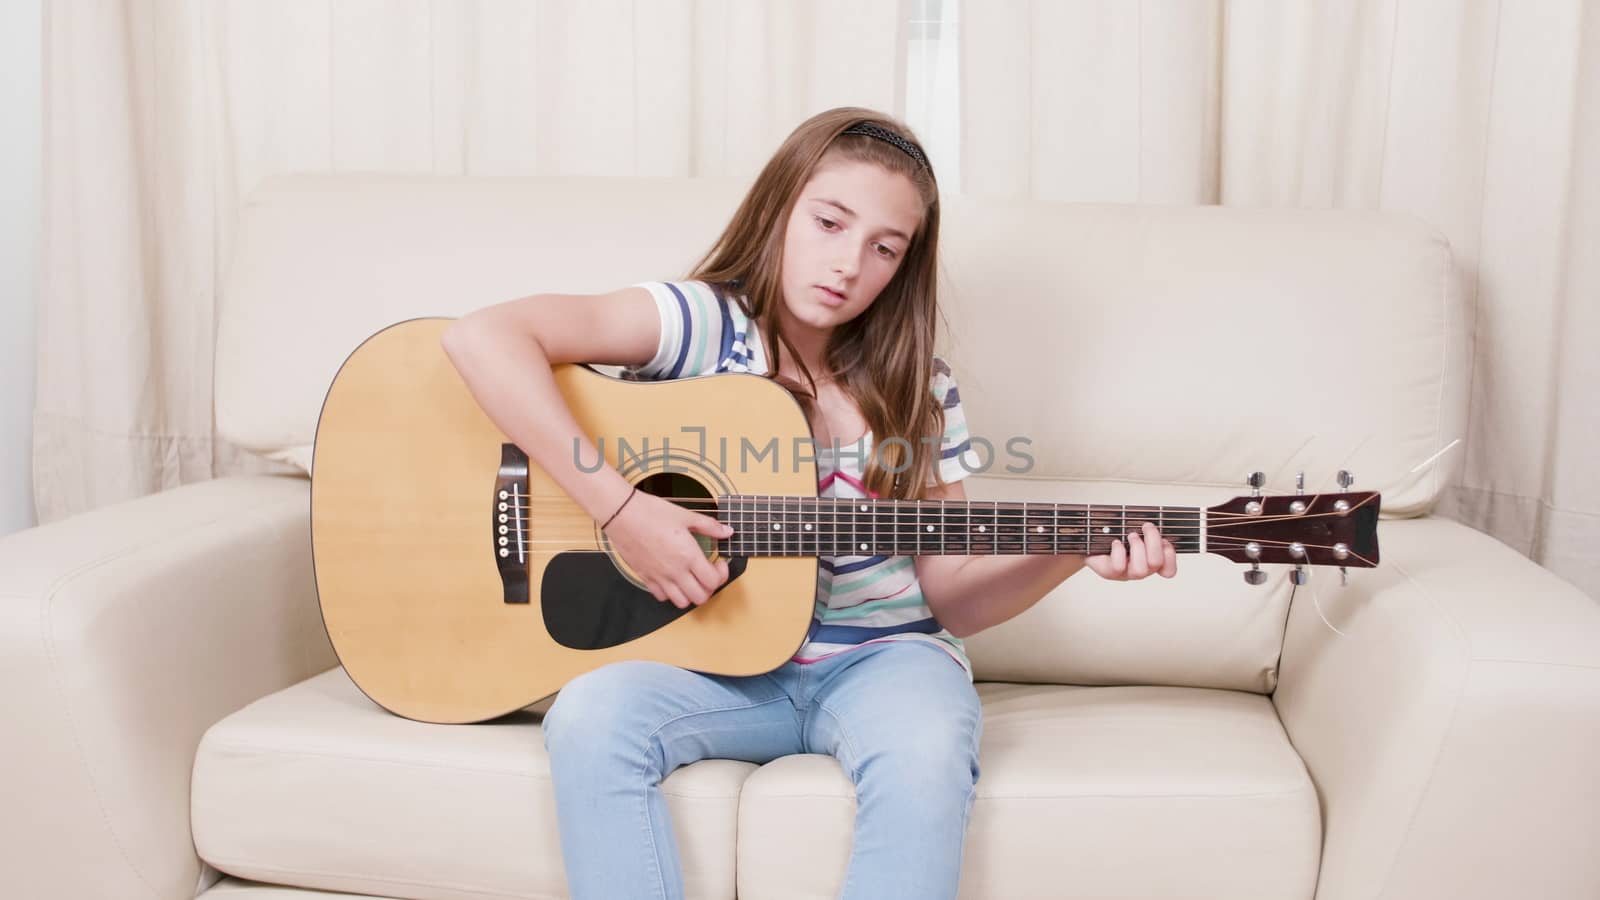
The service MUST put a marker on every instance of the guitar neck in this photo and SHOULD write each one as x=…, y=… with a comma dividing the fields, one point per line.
x=820, y=526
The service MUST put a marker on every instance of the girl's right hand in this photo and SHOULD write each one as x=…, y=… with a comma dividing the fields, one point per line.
x=655, y=538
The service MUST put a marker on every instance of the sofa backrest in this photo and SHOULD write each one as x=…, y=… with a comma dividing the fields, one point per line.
x=1136, y=354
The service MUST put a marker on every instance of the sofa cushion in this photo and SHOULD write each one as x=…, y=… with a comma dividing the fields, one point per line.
x=1085, y=792
x=316, y=786
x=236, y=889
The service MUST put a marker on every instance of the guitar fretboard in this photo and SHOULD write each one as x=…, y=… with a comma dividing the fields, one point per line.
x=818, y=526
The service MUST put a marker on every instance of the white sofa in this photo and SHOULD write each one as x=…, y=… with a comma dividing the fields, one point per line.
x=176, y=723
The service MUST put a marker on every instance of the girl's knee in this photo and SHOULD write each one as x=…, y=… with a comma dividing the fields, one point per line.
x=597, y=708
x=929, y=755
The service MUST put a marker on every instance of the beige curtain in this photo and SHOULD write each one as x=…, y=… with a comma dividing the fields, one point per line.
x=161, y=116
x=1481, y=118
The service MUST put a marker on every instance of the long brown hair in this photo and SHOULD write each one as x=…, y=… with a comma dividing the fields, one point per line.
x=883, y=358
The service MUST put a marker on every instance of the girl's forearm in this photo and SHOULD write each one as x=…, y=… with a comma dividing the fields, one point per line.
x=511, y=379
x=987, y=590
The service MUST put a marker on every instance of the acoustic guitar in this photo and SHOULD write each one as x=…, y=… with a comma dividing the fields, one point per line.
x=458, y=582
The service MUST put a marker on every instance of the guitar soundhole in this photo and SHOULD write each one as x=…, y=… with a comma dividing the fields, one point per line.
x=589, y=604
x=684, y=491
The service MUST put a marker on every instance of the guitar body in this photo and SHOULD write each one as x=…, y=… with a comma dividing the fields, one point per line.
x=443, y=612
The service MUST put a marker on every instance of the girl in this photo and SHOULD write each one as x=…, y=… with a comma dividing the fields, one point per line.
x=824, y=281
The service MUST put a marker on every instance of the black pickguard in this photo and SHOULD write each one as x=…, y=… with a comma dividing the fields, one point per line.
x=588, y=604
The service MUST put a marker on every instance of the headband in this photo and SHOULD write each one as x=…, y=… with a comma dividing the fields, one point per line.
x=888, y=137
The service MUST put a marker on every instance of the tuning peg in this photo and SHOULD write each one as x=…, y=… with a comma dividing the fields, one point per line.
x=1255, y=480
x=1255, y=576
x=1299, y=576
x=1346, y=479
x=1299, y=506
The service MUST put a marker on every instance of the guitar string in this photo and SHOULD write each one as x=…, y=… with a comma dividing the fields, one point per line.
x=1009, y=515
x=1174, y=519
x=965, y=549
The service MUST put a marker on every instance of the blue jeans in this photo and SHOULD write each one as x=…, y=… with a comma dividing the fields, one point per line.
x=901, y=717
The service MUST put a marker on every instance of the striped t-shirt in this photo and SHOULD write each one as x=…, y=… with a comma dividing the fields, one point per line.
x=860, y=599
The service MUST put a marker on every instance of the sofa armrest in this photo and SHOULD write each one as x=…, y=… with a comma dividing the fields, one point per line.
x=1452, y=730
x=125, y=632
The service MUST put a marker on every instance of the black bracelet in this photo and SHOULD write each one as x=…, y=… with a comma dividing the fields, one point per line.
x=619, y=509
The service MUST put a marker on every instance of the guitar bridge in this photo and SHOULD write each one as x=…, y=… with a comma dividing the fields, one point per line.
x=510, y=523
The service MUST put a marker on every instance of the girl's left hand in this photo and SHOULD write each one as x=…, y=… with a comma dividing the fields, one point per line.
x=1144, y=555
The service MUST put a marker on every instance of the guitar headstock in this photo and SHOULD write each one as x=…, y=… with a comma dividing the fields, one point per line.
x=1300, y=529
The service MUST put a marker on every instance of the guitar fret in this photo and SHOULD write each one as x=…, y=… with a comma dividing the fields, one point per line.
x=797, y=526
x=891, y=522
x=848, y=508
x=1078, y=524
x=927, y=540
x=785, y=529
x=1094, y=527
x=886, y=519
x=925, y=529
x=914, y=526
x=920, y=527
x=855, y=528
x=808, y=527
x=788, y=530
x=1007, y=534
x=1022, y=529
x=966, y=520
x=897, y=528
x=792, y=535
x=903, y=529
x=840, y=543
x=875, y=536
x=956, y=534
x=833, y=527
x=874, y=517
x=1041, y=537
x=980, y=528
x=818, y=528
x=906, y=530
